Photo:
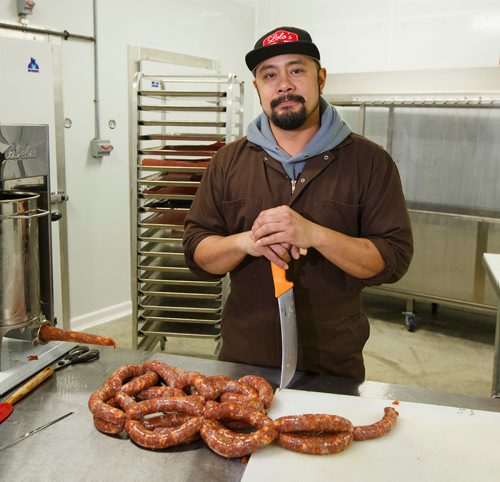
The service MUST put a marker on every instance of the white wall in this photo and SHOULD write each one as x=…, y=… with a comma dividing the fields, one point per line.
x=98, y=210
x=357, y=36
x=381, y=35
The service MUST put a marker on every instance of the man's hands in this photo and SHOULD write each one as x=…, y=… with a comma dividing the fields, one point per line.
x=282, y=228
x=280, y=234
x=221, y=254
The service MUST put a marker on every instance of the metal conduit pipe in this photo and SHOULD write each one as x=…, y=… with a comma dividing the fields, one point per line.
x=64, y=34
x=96, y=77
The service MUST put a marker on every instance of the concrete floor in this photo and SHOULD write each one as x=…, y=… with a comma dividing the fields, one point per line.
x=451, y=350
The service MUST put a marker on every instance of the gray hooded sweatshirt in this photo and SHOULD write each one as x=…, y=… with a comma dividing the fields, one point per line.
x=333, y=131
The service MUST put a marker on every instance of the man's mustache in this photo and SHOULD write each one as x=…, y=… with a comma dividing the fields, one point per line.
x=297, y=98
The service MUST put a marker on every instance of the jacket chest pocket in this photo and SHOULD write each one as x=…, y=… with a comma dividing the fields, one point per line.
x=339, y=216
x=241, y=213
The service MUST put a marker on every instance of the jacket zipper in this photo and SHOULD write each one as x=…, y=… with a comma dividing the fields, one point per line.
x=293, y=182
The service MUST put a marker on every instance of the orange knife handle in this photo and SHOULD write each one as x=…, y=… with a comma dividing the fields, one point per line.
x=281, y=284
x=29, y=386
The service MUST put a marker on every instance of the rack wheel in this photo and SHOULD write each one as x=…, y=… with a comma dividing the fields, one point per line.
x=410, y=322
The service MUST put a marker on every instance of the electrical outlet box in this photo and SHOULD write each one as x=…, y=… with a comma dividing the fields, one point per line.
x=25, y=7
x=100, y=148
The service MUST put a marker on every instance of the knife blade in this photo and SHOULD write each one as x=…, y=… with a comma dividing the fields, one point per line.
x=283, y=290
x=32, y=432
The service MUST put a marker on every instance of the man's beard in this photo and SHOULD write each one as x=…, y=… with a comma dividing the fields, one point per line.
x=289, y=119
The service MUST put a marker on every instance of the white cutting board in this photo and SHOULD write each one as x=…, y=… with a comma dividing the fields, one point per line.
x=429, y=443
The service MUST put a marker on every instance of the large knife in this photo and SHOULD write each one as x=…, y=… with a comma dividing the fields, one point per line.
x=283, y=290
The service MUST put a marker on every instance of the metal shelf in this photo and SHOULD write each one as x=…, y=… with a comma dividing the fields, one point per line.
x=191, y=117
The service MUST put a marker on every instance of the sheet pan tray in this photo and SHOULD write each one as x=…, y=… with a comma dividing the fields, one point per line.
x=183, y=305
x=177, y=317
x=172, y=219
x=167, y=328
x=200, y=292
x=177, y=279
x=164, y=264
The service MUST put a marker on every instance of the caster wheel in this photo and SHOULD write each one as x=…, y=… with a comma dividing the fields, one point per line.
x=411, y=324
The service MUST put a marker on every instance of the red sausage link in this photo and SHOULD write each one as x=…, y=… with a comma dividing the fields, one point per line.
x=162, y=438
x=219, y=381
x=103, y=394
x=262, y=386
x=313, y=423
x=108, y=427
x=198, y=381
x=100, y=408
x=316, y=434
x=166, y=372
x=375, y=430
x=120, y=375
x=165, y=420
x=325, y=444
x=192, y=405
x=169, y=420
x=159, y=392
x=49, y=333
x=230, y=444
x=124, y=401
x=230, y=397
x=140, y=383
x=237, y=411
x=223, y=384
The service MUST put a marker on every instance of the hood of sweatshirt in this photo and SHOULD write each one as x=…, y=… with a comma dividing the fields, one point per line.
x=333, y=130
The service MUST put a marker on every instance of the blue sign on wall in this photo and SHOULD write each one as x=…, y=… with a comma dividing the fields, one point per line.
x=33, y=66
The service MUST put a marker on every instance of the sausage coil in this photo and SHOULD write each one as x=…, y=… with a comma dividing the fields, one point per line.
x=316, y=434
x=160, y=406
x=229, y=444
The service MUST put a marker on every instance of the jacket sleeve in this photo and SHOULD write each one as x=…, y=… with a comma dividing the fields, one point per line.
x=205, y=216
x=385, y=220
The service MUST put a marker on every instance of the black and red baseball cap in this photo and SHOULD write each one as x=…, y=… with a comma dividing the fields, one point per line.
x=279, y=41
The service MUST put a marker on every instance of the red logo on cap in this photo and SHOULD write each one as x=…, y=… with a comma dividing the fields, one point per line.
x=279, y=37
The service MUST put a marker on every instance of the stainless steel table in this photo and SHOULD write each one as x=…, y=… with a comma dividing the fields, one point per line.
x=74, y=450
x=491, y=262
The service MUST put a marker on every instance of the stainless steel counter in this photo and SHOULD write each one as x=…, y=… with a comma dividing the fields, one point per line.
x=75, y=450
x=491, y=262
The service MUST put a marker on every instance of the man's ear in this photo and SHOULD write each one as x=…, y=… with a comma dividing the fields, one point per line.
x=321, y=79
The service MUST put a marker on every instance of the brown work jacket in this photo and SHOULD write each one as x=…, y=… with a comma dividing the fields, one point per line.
x=354, y=189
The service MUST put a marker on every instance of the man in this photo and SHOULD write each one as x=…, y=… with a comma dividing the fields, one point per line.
x=300, y=181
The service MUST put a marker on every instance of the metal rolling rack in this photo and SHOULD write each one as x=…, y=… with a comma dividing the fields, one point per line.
x=178, y=123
